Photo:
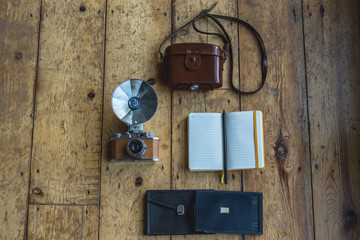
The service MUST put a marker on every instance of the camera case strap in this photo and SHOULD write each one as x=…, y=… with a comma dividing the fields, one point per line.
x=199, y=65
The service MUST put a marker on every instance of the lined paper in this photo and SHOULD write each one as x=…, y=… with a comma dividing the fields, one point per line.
x=205, y=142
x=240, y=140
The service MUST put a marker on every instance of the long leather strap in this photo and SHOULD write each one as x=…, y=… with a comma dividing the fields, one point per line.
x=227, y=42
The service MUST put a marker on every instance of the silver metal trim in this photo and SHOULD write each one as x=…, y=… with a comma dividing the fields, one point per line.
x=135, y=160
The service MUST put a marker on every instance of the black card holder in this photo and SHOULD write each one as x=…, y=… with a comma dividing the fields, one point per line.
x=203, y=211
x=170, y=212
x=228, y=212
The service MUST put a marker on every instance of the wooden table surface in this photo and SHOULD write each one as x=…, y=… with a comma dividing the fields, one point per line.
x=61, y=60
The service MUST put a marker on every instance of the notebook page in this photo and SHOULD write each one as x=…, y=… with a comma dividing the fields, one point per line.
x=205, y=141
x=240, y=140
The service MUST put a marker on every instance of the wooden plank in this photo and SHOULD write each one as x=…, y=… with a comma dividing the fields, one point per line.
x=332, y=36
x=226, y=8
x=183, y=11
x=134, y=31
x=18, y=51
x=67, y=135
x=185, y=102
x=285, y=180
x=63, y=222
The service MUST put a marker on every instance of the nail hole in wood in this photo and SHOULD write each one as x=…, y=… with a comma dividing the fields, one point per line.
x=138, y=181
x=18, y=55
x=21, y=173
x=37, y=171
x=82, y=8
x=316, y=166
x=91, y=95
x=37, y=191
x=30, y=15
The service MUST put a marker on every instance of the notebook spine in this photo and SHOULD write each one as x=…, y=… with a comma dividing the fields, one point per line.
x=224, y=145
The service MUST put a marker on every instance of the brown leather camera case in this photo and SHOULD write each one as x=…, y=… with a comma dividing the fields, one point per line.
x=187, y=64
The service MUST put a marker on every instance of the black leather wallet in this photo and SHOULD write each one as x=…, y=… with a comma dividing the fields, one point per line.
x=203, y=211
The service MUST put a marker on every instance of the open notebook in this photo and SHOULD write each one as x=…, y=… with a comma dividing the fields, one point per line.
x=244, y=141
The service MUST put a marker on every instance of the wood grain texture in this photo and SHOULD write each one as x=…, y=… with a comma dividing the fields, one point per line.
x=332, y=37
x=63, y=222
x=227, y=8
x=66, y=149
x=135, y=30
x=185, y=102
x=285, y=180
x=68, y=142
x=18, y=51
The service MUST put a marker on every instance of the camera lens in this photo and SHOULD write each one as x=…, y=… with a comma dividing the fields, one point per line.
x=136, y=148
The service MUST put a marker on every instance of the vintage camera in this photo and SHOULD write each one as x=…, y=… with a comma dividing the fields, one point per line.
x=134, y=102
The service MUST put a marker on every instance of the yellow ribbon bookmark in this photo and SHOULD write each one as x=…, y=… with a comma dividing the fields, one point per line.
x=222, y=177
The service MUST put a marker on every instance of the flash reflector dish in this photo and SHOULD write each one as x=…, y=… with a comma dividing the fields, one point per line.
x=134, y=101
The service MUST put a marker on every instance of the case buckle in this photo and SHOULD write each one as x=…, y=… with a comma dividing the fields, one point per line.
x=180, y=210
x=192, y=60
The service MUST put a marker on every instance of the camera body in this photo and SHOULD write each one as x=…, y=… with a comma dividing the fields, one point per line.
x=134, y=102
x=134, y=146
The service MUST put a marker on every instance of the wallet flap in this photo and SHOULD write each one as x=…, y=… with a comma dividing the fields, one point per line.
x=228, y=212
x=170, y=211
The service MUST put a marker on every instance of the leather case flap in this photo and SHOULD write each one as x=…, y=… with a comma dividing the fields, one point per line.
x=193, y=61
x=170, y=211
x=228, y=212
x=193, y=48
